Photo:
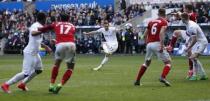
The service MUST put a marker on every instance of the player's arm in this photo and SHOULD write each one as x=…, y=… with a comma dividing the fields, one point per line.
x=146, y=32
x=145, y=35
x=47, y=48
x=46, y=28
x=92, y=32
x=191, y=43
x=88, y=33
x=119, y=28
x=35, y=33
x=162, y=36
x=193, y=38
x=42, y=30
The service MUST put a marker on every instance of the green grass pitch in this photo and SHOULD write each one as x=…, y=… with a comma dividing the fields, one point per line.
x=113, y=83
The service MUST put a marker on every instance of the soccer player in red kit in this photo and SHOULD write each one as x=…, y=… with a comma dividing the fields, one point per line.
x=155, y=34
x=65, y=49
x=182, y=33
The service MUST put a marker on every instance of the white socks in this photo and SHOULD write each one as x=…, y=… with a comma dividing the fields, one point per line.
x=29, y=78
x=198, y=68
x=104, y=60
x=102, y=63
x=201, y=71
x=16, y=78
x=21, y=76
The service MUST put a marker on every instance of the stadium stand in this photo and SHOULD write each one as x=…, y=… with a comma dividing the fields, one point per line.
x=17, y=21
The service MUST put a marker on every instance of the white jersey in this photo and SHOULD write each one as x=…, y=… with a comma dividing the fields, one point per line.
x=193, y=28
x=34, y=41
x=110, y=35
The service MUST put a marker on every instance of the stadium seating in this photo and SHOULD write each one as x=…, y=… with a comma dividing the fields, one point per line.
x=84, y=15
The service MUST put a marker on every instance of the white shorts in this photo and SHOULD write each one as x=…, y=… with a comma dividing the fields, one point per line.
x=109, y=48
x=31, y=62
x=154, y=48
x=184, y=35
x=199, y=47
x=66, y=50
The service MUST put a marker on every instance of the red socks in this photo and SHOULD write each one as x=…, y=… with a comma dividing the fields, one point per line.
x=54, y=74
x=173, y=41
x=66, y=76
x=141, y=72
x=166, y=71
x=190, y=64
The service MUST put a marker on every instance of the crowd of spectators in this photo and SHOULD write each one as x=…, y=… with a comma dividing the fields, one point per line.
x=15, y=24
x=202, y=9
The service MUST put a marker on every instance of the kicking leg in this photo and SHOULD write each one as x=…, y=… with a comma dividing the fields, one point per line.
x=14, y=79
x=104, y=61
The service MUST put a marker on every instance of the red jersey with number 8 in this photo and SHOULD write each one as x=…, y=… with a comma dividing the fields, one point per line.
x=154, y=28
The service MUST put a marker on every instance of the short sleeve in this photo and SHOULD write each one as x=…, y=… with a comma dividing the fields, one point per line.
x=148, y=25
x=165, y=23
x=33, y=28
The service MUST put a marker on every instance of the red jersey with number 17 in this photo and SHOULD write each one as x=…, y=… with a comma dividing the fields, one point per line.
x=64, y=31
x=154, y=27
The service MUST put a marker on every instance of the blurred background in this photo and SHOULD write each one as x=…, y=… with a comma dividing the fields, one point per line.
x=16, y=16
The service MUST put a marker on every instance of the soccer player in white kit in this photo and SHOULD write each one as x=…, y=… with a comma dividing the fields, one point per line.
x=182, y=33
x=197, y=44
x=109, y=41
x=32, y=64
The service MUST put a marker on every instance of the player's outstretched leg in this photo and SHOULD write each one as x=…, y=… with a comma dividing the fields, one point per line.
x=165, y=72
x=5, y=88
x=14, y=79
x=106, y=58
